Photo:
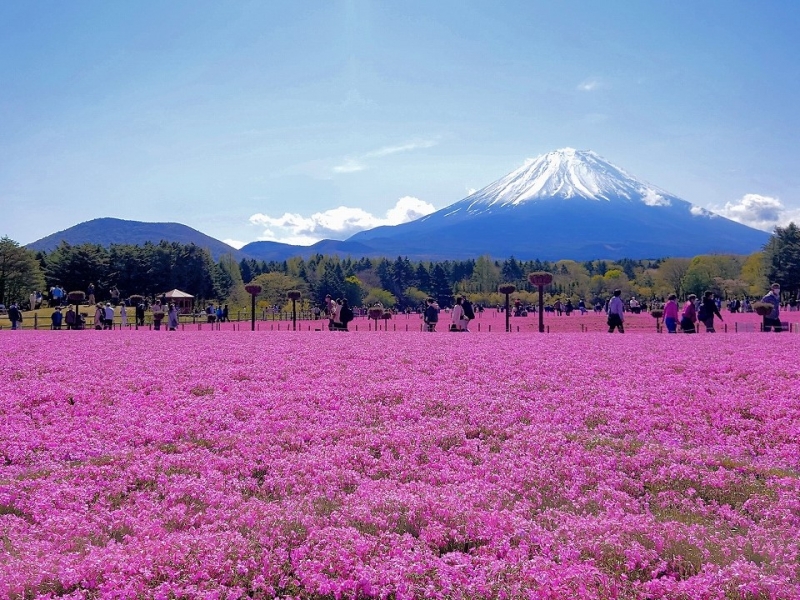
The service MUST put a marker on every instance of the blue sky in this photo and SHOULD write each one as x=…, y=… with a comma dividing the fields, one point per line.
x=295, y=121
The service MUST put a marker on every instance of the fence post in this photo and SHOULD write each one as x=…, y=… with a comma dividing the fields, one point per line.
x=35, y=321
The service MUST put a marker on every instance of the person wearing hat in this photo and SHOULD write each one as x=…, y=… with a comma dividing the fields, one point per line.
x=15, y=316
x=773, y=319
x=57, y=318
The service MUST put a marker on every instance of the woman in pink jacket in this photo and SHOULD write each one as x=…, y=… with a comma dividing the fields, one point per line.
x=671, y=314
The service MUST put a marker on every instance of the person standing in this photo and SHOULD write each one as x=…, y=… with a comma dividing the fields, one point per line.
x=708, y=309
x=108, y=322
x=457, y=321
x=469, y=312
x=773, y=319
x=139, y=314
x=431, y=315
x=57, y=318
x=330, y=310
x=671, y=314
x=69, y=318
x=345, y=314
x=158, y=315
x=99, y=316
x=15, y=316
x=616, y=313
x=90, y=293
x=123, y=315
x=172, y=317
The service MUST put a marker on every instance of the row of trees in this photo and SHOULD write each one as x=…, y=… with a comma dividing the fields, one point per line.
x=155, y=268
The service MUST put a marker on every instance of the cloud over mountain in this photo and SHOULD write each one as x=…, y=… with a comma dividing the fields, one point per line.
x=760, y=212
x=336, y=223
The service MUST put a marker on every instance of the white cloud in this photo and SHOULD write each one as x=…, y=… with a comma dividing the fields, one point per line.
x=653, y=198
x=336, y=223
x=234, y=243
x=760, y=212
x=699, y=211
x=349, y=166
x=591, y=84
x=353, y=164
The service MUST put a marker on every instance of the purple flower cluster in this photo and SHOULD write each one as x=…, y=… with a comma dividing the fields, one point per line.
x=317, y=465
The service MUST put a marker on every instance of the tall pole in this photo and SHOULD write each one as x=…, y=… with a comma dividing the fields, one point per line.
x=254, y=290
x=507, y=289
x=541, y=309
x=540, y=279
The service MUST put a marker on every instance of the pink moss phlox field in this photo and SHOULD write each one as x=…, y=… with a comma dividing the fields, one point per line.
x=234, y=464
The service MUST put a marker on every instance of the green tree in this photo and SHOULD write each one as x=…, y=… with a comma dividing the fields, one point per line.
x=485, y=276
x=20, y=273
x=754, y=274
x=672, y=271
x=75, y=267
x=386, y=298
x=354, y=291
x=275, y=285
x=782, y=258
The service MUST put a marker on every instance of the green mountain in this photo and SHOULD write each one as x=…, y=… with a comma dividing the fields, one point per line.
x=107, y=231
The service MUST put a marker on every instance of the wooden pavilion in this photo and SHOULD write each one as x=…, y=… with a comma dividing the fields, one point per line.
x=180, y=299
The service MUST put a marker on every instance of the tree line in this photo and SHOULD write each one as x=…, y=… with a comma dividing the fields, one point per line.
x=152, y=269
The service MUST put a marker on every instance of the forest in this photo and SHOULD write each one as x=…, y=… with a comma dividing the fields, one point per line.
x=152, y=269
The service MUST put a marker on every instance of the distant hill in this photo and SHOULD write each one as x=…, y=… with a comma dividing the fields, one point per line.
x=107, y=231
x=278, y=252
x=567, y=204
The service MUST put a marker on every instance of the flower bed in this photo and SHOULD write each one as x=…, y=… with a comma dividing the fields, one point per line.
x=405, y=466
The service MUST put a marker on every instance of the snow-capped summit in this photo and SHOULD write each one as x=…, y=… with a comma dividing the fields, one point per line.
x=565, y=173
x=567, y=204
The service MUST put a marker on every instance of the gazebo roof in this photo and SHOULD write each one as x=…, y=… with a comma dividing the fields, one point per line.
x=174, y=294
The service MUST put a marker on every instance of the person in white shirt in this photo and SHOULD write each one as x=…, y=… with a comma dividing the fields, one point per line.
x=123, y=314
x=615, y=313
x=457, y=321
x=109, y=316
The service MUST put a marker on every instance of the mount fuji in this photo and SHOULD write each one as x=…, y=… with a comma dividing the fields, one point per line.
x=567, y=204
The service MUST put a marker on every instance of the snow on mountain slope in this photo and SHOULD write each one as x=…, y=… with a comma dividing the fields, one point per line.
x=564, y=174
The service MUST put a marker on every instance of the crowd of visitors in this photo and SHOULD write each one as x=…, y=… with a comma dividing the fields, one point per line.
x=686, y=318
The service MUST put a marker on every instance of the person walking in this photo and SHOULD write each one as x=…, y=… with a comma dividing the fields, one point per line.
x=616, y=313
x=708, y=309
x=689, y=315
x=671, y=314
x=773, y=319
